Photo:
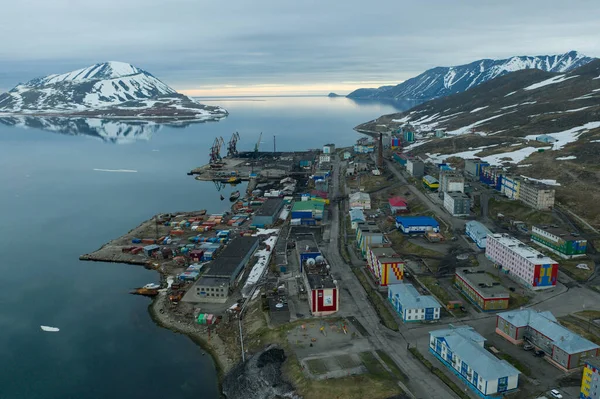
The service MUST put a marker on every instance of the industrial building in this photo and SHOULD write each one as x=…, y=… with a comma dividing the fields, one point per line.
x=367, y=235
x=360, y=200
x=590, y=382
x=473, y=166
x=215, y=284
x=412, y=306
x=482, y=289
x=385, y=265
x=457, y=204
x=451, y=181
x=564, y=348
x=559, y=241
x=267, y=214
x=477, y=232
x=323, y=295
x=431, y=183
x=417, y=224
x=415, y=167
x=356, y=216
x=398, y=205
x=521, y=262
x=461, y=349
x=510, y=186
x=308, y=212
x=537, y=195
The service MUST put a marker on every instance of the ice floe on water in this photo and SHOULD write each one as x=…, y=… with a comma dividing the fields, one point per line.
x=50, y=329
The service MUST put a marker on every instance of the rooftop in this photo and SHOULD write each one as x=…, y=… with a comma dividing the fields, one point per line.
x=546, y=323
x=230, y=258
x=467, y=344
x=594, y=362
x=360, y=196
x=212, y=282
x=430, y=179
x=270, y=207
x=410, y=297
x=477, y=161
x=523, y=250
x=398, y=201
x=417, y=221
x=562, y=233
x=483, y=283
x=308, y=206
x=457, y=195
x=385, y=254
x=357, y=214
x=477, y=229
x=306, y=243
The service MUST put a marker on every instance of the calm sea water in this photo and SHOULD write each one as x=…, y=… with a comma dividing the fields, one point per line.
x=55, y=206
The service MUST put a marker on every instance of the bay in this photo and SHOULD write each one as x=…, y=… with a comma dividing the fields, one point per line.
x=67, y=187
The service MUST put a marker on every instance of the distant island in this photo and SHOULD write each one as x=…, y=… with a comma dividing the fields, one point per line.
x=334, y=95
x=108, y=90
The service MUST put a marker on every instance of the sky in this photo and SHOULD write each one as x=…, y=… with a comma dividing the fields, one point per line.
x=270, y=47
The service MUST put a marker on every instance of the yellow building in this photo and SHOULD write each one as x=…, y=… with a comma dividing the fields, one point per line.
x=590, y=383
x=431, y=182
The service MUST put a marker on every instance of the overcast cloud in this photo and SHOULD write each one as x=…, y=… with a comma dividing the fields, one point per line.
x=195, y=44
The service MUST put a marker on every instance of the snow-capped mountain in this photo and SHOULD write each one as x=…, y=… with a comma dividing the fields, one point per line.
x=115, y=89
x=443, y=81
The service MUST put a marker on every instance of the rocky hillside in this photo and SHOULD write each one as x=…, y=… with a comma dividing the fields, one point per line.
x=444, y=81
x=109, y=89
x=499, y=121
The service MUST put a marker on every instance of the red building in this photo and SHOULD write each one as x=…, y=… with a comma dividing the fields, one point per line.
x=323, y=296
x=398, y=205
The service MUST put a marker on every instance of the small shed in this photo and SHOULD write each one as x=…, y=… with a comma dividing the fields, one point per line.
x=151, y=249
x=545, y=138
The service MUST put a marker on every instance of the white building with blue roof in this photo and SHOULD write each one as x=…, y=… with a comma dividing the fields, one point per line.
x=462, y=350
x=417, y=224
x=565, y=349
x=477, y=232
x=411, y=305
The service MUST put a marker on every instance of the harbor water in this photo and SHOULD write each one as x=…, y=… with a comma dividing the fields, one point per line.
x=70, y=187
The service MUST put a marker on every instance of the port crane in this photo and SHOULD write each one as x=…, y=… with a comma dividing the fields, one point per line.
x=257, y=145
x=232, y=145
x=215, y=151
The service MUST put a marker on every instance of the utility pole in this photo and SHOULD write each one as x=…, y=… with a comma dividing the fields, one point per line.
x=274, y=147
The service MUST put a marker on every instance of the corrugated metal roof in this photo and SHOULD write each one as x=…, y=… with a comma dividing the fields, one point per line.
x=417, y=221
x=546, y=323
x=478, y=230
x=308, y=206
x=398, y=201
x=357, y=214
x=467, y=344
x=410, y=297
x=360, y=196
x=430, y=179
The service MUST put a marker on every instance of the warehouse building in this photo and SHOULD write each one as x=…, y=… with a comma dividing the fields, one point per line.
x=211, y=290
x=415, y=167
x=590, y=382
x=308, y=212
x=398, y=205
x=473, y=167
x=430, y=183
x=537, y=195
x=461, y=349
x=457, y=204
x=564, y=348
x=385, y=265
x=477, y=232
x=412, y=306
x=481, y=289
x=360, y=200
x=451, y=181
x=559, y=241
x=367, y=235
x=521, y=262
x=267, y=214
x=417, y=224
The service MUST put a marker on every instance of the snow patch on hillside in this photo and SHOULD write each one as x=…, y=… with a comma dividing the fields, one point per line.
x=466, y=129
x=568, y=136
x=550, y=182
x=478, y=109
x=567, y=158
x=551, y=81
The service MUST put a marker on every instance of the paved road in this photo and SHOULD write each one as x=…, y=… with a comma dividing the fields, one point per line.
x=354, y=302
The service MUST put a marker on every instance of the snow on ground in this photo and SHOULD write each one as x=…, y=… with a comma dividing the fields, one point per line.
x=510, y=94
x=551, y=81
x=566, y=158
x=567, y=136
x=549, y=182
x=577, y=109
x=465, y=129
x=478, y=109
x=526, y=165
x=416, y=144
x=264, y=256
x=495, y=159
x=402, y=120
x=595, y=141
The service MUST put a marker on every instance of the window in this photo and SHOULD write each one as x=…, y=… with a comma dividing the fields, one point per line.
x=408, y=317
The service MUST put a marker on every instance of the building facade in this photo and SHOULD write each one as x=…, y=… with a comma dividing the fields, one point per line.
x=559, y=241
x=457, y=204
x=510, y=186
x=412, y=306
x=473, y=167
x=267, y=214
x=431, y=182
x=360, y=200
x=211, y=290
x=367, y=235
x=565, y=349
x=492, y=176
x=417, y=224
x=451, y=180
x=481, y=289
x=590, y=382
x=356, y=216
x=536, y=195
x=385, y=265
x=521, y=262
x=477, y=232
x=415, y=167
x=398, y=205
x=461, y=349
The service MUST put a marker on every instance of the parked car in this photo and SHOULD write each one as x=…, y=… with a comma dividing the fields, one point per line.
x=556, y=394
x=528, y=346
x=539, y=353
